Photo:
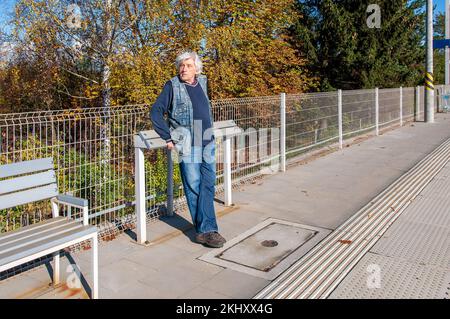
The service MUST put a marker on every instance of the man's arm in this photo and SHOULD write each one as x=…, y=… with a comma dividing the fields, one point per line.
x=159, y=108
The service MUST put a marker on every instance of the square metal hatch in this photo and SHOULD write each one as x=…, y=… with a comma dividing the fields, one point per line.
x=268, y=248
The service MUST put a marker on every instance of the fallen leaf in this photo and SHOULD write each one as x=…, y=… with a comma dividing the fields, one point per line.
x=345, y=241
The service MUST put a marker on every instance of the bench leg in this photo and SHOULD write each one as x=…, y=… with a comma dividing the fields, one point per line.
x=56, y=268
x=94, y=294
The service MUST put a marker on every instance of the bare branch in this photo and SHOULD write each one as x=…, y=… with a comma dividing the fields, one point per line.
x=75, y=96
x=79, y=75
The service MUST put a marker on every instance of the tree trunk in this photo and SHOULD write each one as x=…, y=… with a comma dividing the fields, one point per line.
x=106, y=87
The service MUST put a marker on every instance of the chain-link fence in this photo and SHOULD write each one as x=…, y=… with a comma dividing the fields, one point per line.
x=94, y=154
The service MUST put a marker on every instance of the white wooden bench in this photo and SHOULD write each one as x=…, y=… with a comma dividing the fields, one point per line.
x=31, y=181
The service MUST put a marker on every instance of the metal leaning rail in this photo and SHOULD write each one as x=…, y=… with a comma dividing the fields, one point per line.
x=148, y=140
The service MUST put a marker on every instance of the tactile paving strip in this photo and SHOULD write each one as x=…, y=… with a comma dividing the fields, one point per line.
x=416, y=242
x=431, y=212
x=318, y=273
x=397, y=279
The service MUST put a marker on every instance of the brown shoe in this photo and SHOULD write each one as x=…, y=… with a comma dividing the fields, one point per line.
x=211, y=239
x=201, y=238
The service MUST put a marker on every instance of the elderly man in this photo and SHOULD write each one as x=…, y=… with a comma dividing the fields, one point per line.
x=189, y=130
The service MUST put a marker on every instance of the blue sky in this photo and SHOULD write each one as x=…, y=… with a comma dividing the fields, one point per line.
x=6, y=7
x=440, y=6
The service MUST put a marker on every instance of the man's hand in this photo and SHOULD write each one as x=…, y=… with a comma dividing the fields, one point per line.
x=170, y=145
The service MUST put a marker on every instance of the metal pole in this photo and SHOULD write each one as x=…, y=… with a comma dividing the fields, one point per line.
x=401, y=106
x=169, y=183
x=377, y=111
x=283, y=132
x=227, y=171
x=340, y=118
x=447, y=49
x=417, y=104
x=437, y=99
x=139, y=179
x=94, y=293
x=429, y=88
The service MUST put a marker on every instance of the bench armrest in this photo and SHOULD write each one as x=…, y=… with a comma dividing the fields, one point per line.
x=73, y=201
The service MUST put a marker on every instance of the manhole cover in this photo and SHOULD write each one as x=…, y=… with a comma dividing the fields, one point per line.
x=268, y=248
x=250, y=253
x=269, y=243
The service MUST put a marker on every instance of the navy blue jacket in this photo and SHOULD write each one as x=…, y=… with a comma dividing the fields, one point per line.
x=200, y=106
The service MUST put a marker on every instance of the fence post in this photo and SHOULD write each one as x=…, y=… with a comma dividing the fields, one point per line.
x=340, y=118
x=436, y=98
x=444, y=92
x=169, y=183
x=417, y=104
x=227, y=172
x=377, y=111
x=401, y=106
x=141, y=220
x=283, y=132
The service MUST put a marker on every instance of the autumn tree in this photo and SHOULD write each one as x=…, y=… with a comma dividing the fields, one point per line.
x=344, y=52
x=101, y=53
x=247, y=49
x=244, y=46
x=439, y=55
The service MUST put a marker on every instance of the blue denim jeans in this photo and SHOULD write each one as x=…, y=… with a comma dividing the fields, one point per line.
x=198, y=174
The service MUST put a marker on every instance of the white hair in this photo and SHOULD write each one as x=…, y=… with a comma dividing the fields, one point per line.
x=190, y=55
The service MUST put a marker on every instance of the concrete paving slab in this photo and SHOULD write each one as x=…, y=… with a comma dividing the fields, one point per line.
x=20, y=287
x=112, y=251
x=203, y=293
x=416, y=242
x=176, y=280
x=122, y=274
x=138, y=290
x=157, y=256
x=68, y=262
x=382, y=277
x=245, y=217
x=433, y=209
x=235, y=284
x=64, y=292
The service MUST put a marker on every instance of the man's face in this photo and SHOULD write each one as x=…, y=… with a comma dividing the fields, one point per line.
x=187, y=70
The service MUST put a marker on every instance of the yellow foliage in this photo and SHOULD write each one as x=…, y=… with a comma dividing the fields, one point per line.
x=244, y=46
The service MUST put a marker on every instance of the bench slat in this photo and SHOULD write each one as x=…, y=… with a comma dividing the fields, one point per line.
x=13, y=169
x=28, y=196
x=48, y=243
x=28, y=181
x=37, y=231
x=23, y=231
x=40, y=236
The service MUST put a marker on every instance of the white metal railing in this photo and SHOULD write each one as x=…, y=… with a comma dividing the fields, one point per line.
x=100, y=167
